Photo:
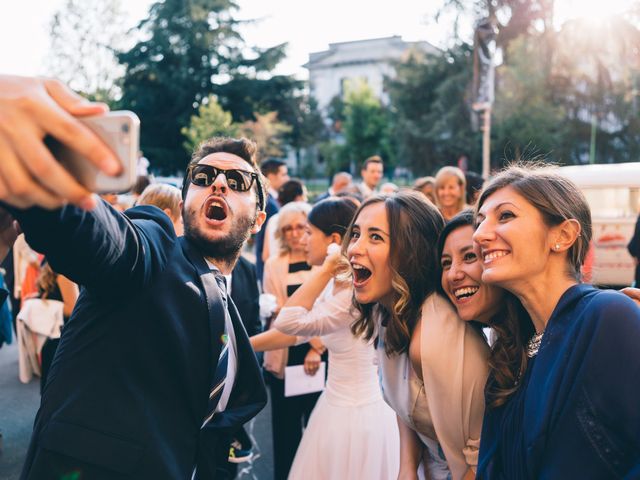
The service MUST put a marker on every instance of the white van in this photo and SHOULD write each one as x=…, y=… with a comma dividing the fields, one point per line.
x=613, y=193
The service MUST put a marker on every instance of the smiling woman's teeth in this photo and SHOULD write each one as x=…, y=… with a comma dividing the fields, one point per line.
x=465, y=292
x=492, y=255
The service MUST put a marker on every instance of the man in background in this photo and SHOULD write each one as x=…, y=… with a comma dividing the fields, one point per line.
x=371, y=172
x=277, y=175
x=341, y=182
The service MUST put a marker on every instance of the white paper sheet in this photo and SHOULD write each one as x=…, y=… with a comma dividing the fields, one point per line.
x=296, y=382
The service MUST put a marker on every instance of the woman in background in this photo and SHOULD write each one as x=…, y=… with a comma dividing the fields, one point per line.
x=53, y=286
x=426, y=186
x=352, y=433
x=451, y=187
x=168, y=199
x=283, y=275
x=292, y=190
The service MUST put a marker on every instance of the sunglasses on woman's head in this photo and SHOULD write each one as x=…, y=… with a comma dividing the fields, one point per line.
x=205, y=175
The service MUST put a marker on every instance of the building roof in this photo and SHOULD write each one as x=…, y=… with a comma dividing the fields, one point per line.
x=371, y=50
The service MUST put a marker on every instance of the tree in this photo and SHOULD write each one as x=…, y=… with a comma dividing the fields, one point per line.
x=190, y=51
x=512, y=18
x=84, y=37
x=527, y=120
x=431, y=113
x=245, y=95
x=366, y=126
x=268, y=133
x=594, y=76
x=211, y=121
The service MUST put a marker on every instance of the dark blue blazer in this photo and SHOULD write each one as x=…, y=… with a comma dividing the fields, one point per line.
x=322, y=196
x=129, y=386
x=634, y=249
x=246, y=296
x=582, y=404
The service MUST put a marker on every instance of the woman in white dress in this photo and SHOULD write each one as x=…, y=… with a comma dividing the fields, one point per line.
x=352, y=433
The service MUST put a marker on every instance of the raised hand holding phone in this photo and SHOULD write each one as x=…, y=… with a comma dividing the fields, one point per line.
x=120, y=131
x=30, y=109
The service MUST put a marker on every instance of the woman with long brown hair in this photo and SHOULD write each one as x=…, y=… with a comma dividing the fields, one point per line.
x=433, y=365
x=572, y=407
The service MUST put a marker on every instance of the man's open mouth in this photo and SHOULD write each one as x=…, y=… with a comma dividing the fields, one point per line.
x=360, y=274
x=216, y=210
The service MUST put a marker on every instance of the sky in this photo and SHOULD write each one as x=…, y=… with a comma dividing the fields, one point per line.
x=308, y=26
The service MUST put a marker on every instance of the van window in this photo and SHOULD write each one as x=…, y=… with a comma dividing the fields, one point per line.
x=613, y=202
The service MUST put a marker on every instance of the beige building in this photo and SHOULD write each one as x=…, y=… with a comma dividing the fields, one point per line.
x=367, y=60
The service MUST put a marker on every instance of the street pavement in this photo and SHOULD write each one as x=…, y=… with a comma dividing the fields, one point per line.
x=19, y=403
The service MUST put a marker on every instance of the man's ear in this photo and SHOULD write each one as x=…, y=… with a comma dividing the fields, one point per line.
x=261, y=217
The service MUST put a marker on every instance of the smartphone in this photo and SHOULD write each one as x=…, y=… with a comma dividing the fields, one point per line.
x=120, y=131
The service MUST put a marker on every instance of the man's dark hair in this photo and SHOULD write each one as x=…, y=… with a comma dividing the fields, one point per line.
x=289, y=191
x=271, y=166
x=373, y=159
x=241, y=147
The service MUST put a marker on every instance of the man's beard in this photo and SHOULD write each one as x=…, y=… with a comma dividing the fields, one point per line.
x=225, y=250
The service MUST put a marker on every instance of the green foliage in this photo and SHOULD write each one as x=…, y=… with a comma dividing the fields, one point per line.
x=189, y=51
x=211, y=121
x=366, y=126
x=527, y=121
x=268, y=133
x=432, y=119
x=334, y=156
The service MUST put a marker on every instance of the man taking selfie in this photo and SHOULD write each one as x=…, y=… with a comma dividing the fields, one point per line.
x=154, y=370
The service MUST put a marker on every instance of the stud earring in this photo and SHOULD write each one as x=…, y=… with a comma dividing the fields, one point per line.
x=557, y=246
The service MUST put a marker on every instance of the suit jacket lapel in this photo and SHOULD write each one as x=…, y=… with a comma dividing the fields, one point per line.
x=215, y=306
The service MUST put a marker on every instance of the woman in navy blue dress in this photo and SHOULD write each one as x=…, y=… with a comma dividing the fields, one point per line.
x=572, y=410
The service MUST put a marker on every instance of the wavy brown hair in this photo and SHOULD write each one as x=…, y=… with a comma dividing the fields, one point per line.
x=414, y=226
x=557, y=199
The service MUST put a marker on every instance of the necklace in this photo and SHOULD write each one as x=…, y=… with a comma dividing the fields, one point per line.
x=534, y=344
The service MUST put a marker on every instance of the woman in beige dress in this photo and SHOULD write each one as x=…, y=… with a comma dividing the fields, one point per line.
x=433, y=365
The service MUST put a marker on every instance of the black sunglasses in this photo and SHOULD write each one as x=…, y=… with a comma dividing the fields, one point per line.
x=204, y=175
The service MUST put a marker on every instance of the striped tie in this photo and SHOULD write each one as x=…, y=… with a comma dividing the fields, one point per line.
x=223, y=360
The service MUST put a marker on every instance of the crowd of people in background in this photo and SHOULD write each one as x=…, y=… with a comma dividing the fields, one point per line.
x=154, y=315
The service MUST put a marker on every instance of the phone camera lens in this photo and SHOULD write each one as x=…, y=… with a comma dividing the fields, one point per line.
x=125, y=128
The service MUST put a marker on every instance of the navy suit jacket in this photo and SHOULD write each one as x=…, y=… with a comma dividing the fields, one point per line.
x=246, y=296
x=128, y=388
x=582, y=403
x=634, y=249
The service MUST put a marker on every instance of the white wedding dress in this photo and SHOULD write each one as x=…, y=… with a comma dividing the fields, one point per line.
x=352, y=432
